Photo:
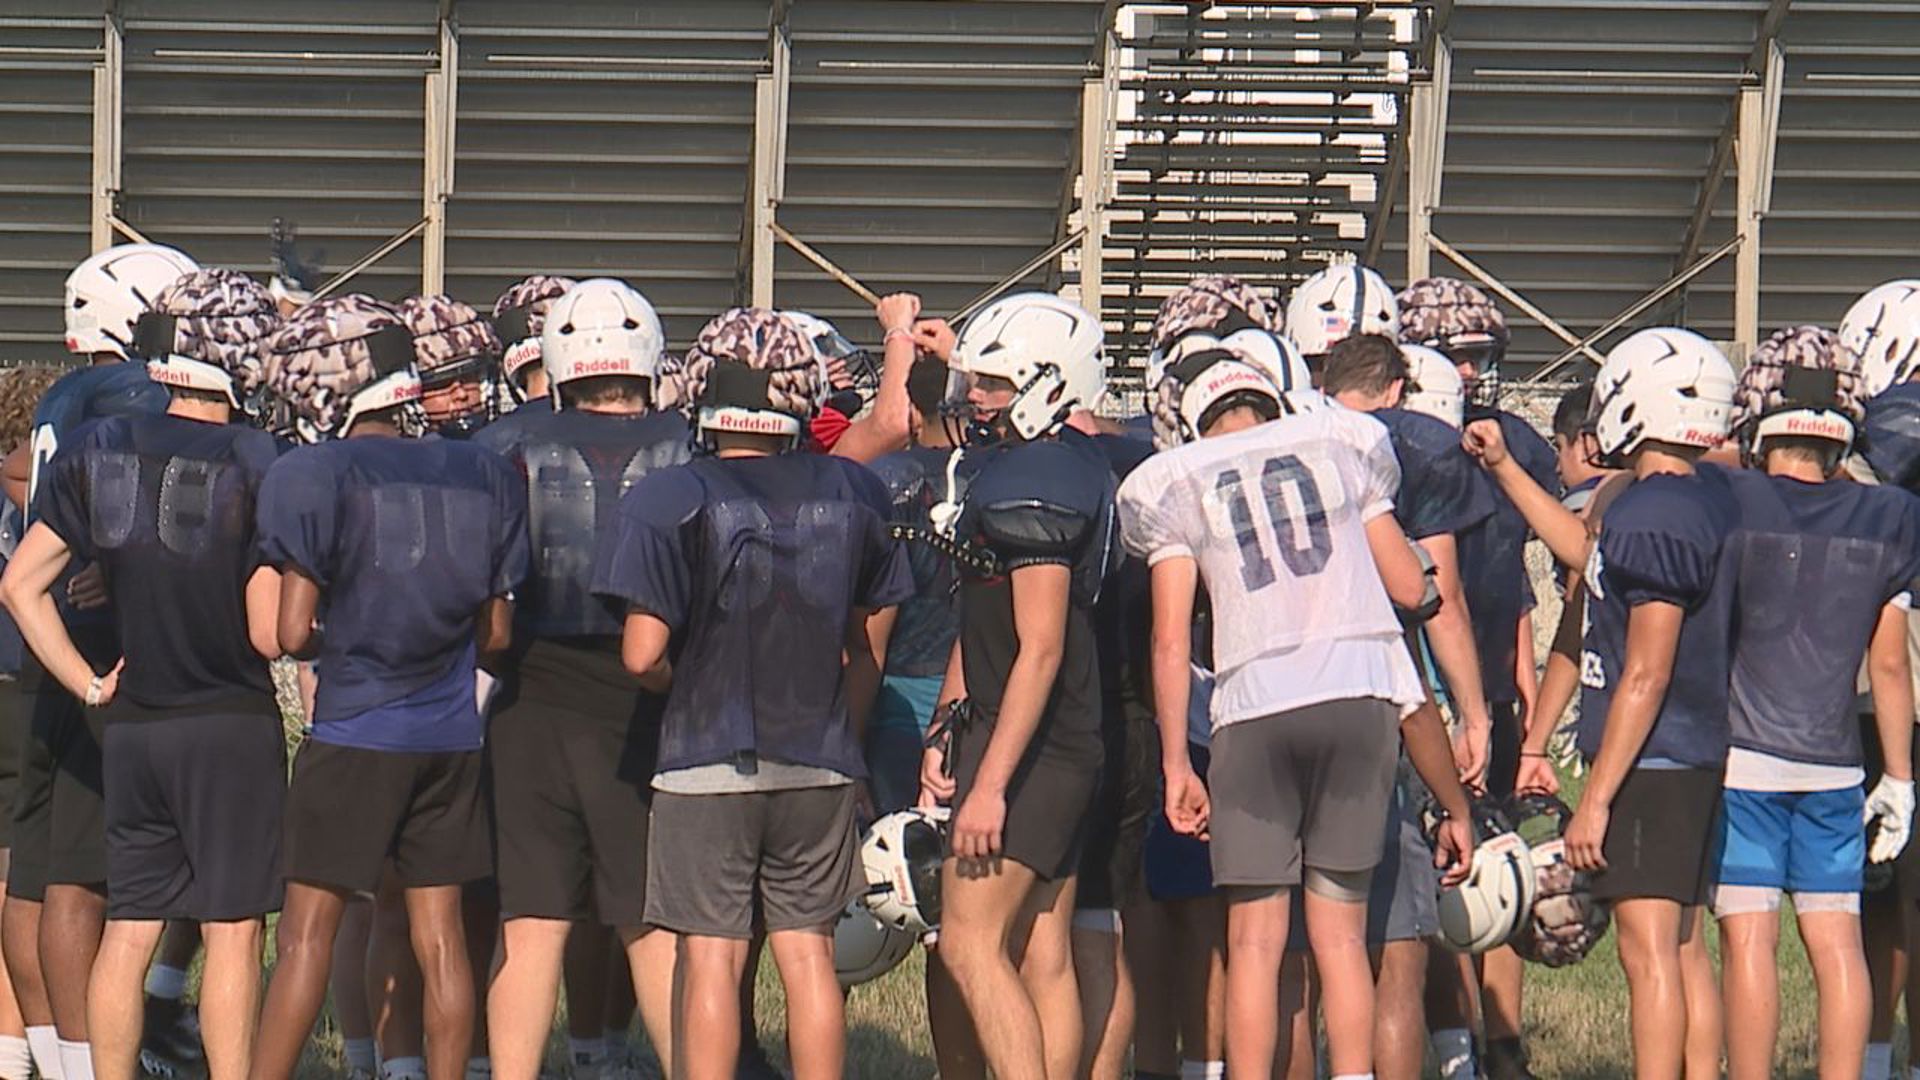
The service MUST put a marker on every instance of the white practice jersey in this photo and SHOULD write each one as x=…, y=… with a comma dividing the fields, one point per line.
x=1276, y=518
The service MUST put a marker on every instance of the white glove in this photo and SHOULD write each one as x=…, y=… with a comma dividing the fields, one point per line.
x=1890, y=803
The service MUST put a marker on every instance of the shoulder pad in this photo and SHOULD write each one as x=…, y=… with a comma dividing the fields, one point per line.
x=1032, y=531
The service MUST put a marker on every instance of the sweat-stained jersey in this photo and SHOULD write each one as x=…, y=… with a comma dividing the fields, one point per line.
x=1275, y=516
x=1048, y=502
x=165, y=505
x=408, y=539
x=1813, y=566
x=1442, y=491
x=1493, y=562
x=757, y=565
x=1661, y=540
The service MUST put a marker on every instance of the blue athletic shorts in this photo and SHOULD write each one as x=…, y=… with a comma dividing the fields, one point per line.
x=1178, y=867
x=1797, y=841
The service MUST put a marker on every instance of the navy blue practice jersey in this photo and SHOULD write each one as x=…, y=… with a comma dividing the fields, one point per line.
x=928, y=621
x=758, y=566
x=1661, y=541
x=1442, y=492
x=407, y=539
x=166, y=506
x=1814, y=565
x=1046, y=502
x=1493, y=562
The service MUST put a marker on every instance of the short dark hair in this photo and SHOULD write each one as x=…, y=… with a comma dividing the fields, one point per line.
x=927, y=385
x=1368, y=363
x=601, y=390
x=1570, y=416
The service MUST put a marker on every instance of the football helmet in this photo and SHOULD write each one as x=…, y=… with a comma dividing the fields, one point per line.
x=1566, y=921
x=1337, y=303
x=339, y=359
x=1200, y=385
x=1801, y=382
x=1462, y=322
x=109, y=291
x=1218, y=304
x=294, y=278
x=846, y=366
x=864, y=948
x=1883, y=330
x=1047, y=347
x=454, y=351
x=1274, y=356
x=1489, y=907
x=601, y=327
x=750, y=372
x=1665, y=385
x=901, y=853
x=207, y=331
x=518, y=318
x=1433, y=386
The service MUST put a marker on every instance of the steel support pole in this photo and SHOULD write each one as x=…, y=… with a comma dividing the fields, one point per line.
x=437, y=167
x=1529, y=307
x=1427, y=152
x=1094, y=119
x=768, y=179
x=1672, y=285
x=107, y=78
x=1759, y=121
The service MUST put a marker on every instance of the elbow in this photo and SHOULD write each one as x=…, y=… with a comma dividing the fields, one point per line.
x=266, y=643
x=1646, y=686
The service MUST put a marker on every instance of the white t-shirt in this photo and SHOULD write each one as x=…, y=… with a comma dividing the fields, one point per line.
x=1275, y=516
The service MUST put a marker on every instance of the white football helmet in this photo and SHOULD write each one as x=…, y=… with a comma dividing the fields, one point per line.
x=109, y=291
x=1196, y=382
x=864, y=948
x=902, y=853
x=1665, y=385
x=1336, y=304
x=1495, y=900
x=602, y=326
x=1048, y=348
x=1883, y=330
x=1434, y=386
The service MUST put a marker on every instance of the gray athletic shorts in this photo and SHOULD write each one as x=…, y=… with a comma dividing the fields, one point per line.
x=1306, y=787
x=1403, y=901
x=709, y=857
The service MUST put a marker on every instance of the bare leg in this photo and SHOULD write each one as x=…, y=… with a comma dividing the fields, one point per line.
x=707, y=1006
x=393, y=976
x=1256, y=942
x=1106, y=1002
x=1840, y=973
x=71, y=923
x=521, y=1001
x=480, y=926
x=1337, y=930
x=1706, y=1035
x=584, y=972
x=229, y=995
x=1042, y=948
x=347, y=983
x=440, y=945
x=1203, y=943
x=651, y=956
x=1400, y=1024
x=1649, y=939
x=1883, y=924
x=956, y=1047
x=114, y=1000
x=816, y=1009
x=1749, y=943
x=979, y=906
x=20, y=941
x=1298, y=1055
x=1162, y=999
x=304, y=950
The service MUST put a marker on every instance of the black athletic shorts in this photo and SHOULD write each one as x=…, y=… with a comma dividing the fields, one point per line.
x=571, y=796
x=1048, y=802
x=32, y=806
x=792, y=856
x=13, y=742
x=1503, y=750
x=1112, y=861
x=194, y=808
x=77, y=834
x=349, y=810
x=1662, y=837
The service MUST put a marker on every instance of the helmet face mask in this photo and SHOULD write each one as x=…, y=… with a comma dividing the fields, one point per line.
x=1047, y=348
x=901, y=854
x=1487, y=909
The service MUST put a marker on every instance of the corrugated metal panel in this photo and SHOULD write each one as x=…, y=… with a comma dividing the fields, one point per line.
x=930, y=145
x=46, y=139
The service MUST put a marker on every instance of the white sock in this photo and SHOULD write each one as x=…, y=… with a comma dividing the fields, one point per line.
x=165, y=981
x=1454, y=1049
x=76, y=1060
x=359, y=1053
x=1879, y=1062
x=1203, y=1070
x=16, y=1060
x=45, y=1046
x=480, y=1068
x=406, y=1068
x=586, y=1051
x=1354, y=1076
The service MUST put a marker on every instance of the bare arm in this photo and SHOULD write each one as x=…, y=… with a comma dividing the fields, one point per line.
x=263, y=612
x=1890, y=677
x=1563, y=531
x=299, y=603
x=880, y=633
x=16, y=472
x=1428, y=750
x=643, y=650
x=888, y=425
x=493, y=630
x=1653, y=636
x=1175, y=580
x=935, y=784
x=27, y=590
x=862, y=671
x=1399, y=568
x=1450, y=636
x=1526, y=677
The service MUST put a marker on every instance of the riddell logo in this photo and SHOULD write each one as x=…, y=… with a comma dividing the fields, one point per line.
x=617, y=365
x=1228, y=380
x=522, y=352
x=1701, y=437
x=1826, y=428
x=750, y=423
x=162, y=374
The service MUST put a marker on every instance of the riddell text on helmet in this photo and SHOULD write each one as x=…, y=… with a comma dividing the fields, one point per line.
x=611, y=365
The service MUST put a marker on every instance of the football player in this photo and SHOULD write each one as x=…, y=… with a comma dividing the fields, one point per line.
x=59, y=852
x=1654, y=732
x=1022, y=749
x=1883, y=329
x=410, y=547
x=1463, y=324
x=1823, y=571
x=455, y=351
x=1441, y=496
x=193, y=754
x=1337, y=303
x=572, y=739
x=1286, y=736
x=519, y=318
x=865, y=413
x=730, y=568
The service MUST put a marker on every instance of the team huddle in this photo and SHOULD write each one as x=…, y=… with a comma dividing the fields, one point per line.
x=1210, y=742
